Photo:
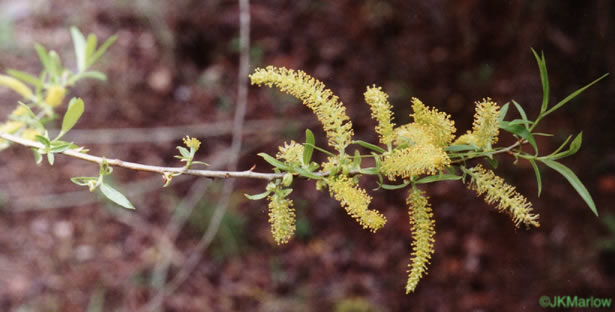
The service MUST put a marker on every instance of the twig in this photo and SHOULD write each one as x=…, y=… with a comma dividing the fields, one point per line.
x=148, y=168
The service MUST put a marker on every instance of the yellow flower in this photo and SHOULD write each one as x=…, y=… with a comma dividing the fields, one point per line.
x=381, y=111
x=356, y=202
x=414, y=161
x=16, y=86
x=423, y=232
x=505, y=195
x=55, y=95
x=439, y=124
x=11, y=126
x=193, y=143
x=313, y=93
x=485, y=128
x=291, y=153
x=412, y=134
x=30, y=134
x=281, y=218
x=19, y=111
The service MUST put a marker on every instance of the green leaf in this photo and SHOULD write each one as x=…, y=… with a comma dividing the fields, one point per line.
x=503, y=112
x=520, y=110
x=436, y=178
x=184, y=151
x=60, y=146
x=461, y=148
x=538, y=178
x=101, y=50
x=521, y=131
x=574, y=181
x=73, y=113
x=307, y=174
x=370, y=146
x=308, y=147
x=115, y=196
x=393, y=186
x=90, y=47
x=572, y=149
x=285, y=192
x=274, y=162
x=55, y=65
x=94, y=75
x=356, y=160
x=38, y=158
x=80, y=48
x=45, y=141
x=83, y=181
x=493, y=163
x=369, y=171
x=574, y=94
x=544, y=80
x=27, y=78
x=257, y=196
x=43, y=55
x=50, y=158
x=520, y=122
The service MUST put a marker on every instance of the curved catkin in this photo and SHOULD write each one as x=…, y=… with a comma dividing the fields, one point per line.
x=313, y=93
x=414, y=161
x=356, y=202
x=485, y=128
x=508, y=200
x=281, y=218
x=381, y=111
x=423, y=232
x=439, y=124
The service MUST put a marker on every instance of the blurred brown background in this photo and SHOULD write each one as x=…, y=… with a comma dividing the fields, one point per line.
x=175, y=64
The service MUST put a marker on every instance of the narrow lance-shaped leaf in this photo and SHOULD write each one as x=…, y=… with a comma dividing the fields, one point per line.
x=544, y=79
x=369, y=146
x=574, y=147
x=574, y=181
x=115, y=196
x=101, y=50
x=537, y=173
x=73, y=113
x=308, y=147
x=573, y=95
x=274, y=162
x=257, y=196
x=80, y=48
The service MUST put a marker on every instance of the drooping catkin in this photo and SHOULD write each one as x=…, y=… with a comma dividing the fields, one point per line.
x=356, y=202
x=281, y=218
x=313, y=93
x=423, y=232
x=508, y=200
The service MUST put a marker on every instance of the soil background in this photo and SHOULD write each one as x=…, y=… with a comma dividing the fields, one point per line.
x=175, y=64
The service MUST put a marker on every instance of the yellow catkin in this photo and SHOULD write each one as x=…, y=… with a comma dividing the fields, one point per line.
x=381, y=111
x=423, y=232
x=356, y=202
x=291, y=153
x=55, y=95
x=313, y=93
x=508, y=200
x=30, y=134
x=281, y=218
x=439, y=124
x=16, y=86
x=412, y=134
x=485, y=128
x=414, y=161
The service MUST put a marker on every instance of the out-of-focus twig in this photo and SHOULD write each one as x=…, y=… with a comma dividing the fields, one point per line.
x=238, y=121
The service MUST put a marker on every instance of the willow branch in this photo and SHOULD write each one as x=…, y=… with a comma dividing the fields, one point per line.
x=148, y=168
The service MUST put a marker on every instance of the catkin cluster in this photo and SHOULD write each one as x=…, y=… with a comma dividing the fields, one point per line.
x=412, y=150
